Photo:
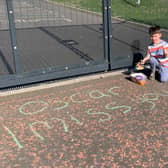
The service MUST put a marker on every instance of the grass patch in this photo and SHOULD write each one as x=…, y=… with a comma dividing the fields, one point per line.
x=153, y=12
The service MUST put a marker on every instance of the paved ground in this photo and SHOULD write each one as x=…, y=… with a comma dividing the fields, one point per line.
x=108, y=122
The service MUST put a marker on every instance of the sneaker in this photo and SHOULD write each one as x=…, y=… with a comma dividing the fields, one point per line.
x=147, y=66
x=152, y=76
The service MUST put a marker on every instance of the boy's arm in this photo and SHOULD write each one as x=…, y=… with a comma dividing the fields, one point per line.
x=166, y=52
x=147, y=57
x=165, y=48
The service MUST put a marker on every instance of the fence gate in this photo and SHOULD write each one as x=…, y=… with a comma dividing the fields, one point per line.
x=51, y=39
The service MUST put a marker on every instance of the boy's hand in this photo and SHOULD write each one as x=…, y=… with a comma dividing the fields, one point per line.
x=142, y=62
x=139, y=66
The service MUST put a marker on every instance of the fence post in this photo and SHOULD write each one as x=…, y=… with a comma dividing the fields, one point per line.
x=109, y=22
x=105, y=29
x=12, y=30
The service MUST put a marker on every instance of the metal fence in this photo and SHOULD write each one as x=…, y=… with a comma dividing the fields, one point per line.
x=52, y=35
x=6, y=56
x=52, y=39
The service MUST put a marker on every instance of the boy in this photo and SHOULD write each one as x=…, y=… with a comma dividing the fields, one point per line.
x=157, y=54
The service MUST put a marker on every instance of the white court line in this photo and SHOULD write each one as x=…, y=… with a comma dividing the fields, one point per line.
x=43, y=19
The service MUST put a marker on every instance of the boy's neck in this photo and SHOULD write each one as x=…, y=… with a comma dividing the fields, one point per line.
x=156, y=42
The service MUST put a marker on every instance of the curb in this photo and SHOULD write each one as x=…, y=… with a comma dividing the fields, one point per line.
x=57, y=83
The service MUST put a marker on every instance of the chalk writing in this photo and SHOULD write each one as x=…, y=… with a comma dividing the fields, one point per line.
x=111, y=90
x=72, y=98
x=45, y=123
x=61, y=104
x=63, y=122
x=76, y=120
x=151, y=98
x=128, y=108
x=35, y=132
x=89, y=111
x=13, y=136
x=103, y=114
x=40, y=102
x=96, y=94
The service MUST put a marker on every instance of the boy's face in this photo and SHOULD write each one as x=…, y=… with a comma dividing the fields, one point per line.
x=155, y=38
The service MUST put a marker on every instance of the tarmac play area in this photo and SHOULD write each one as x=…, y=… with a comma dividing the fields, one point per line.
x=108, y=122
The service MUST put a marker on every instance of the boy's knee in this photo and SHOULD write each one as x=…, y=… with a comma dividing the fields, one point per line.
x=153, y=59
x=163, y=79
x=163, y=74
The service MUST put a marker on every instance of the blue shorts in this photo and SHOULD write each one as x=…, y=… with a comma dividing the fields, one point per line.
x=163, y=71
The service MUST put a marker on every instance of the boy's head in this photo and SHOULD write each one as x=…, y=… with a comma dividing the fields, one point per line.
x=155, y=34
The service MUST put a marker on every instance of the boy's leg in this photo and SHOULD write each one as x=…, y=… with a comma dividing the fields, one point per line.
x=163, y=74
x=153, y=63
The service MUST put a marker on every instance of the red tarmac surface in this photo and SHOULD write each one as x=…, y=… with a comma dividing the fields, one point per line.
x=109, y=122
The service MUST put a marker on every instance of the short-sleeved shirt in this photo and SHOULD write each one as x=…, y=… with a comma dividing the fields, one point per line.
x=157, y=51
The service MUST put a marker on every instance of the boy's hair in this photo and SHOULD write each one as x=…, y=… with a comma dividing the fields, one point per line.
x=154, y=30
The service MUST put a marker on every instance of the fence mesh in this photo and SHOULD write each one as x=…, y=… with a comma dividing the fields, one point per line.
x=35, y=13
x=58, y=34
x=6, y=57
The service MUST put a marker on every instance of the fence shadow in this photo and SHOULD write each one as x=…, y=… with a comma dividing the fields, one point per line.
x=136, y=52
x=68, y=44
x=6, y=63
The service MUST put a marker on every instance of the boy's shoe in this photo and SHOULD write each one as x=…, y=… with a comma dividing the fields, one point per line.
x=152, y=76
x=147, y=66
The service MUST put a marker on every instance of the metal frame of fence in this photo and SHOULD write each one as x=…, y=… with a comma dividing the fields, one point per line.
x=105, y=63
